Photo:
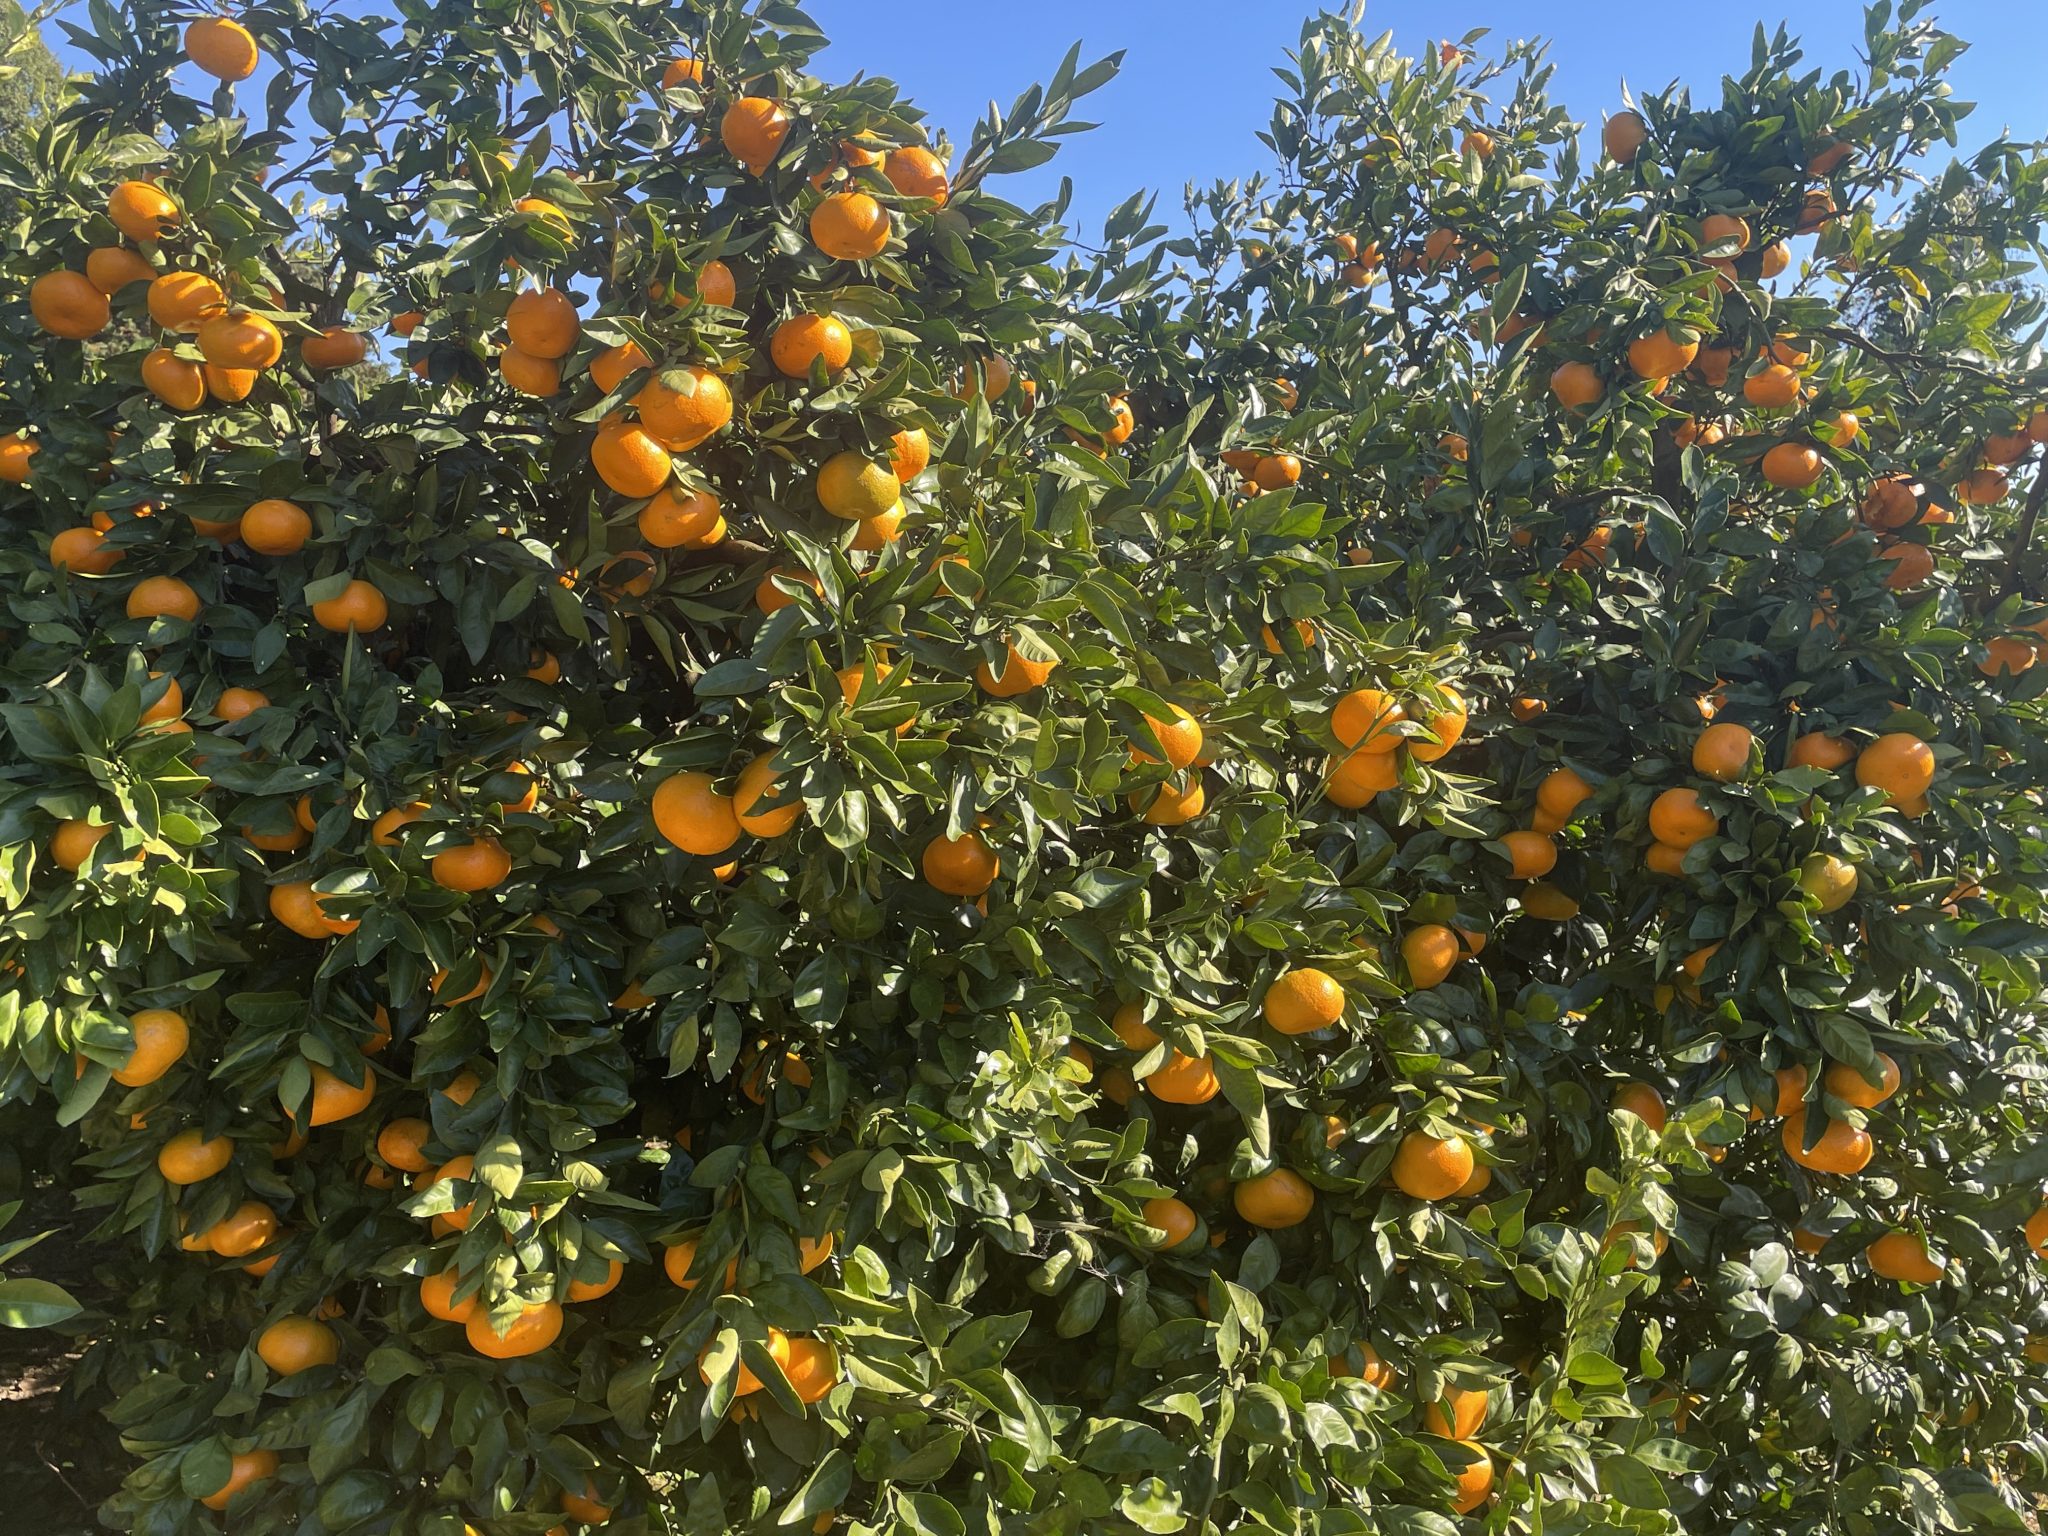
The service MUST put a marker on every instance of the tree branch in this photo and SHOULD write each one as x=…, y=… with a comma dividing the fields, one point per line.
x=2023, y=538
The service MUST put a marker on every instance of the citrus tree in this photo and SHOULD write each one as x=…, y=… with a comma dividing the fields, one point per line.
x=694, y=836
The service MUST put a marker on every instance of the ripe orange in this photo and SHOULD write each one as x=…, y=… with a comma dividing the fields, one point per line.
x=1180, y=737
x=681, y=418
x=715, y=284
x=110, y=268
x=680, y=71
x=1677, y=818
x=1303, y=999
x=1429, y=950
x=537, y=1326
x=1447, y=725
x=238, y=339
x=141, y=210
x=1848, y=1083
x=1165, y=805
x=227, y=385
x=84, y=551
x=1361, y=775
x=1546, y=903
x=1792, y=466
x=540, y=377
x=74, y=841
x=670, y=520
x=1722, y=752
x=1772, y=387
x=1841, y=1149
x=1576, y=385
x=591, y=1290
x=161, y=1038
x=1562, y=792
x=1623, y=136
x=245, y=1468
x=359, y=606
x=437, y=1296
x=1642, y=1101
x=2036, y=1231
x=1131, y=1029
x=1911, y=563
x=294, y=1344
x=225, y=50
x=1890, y=503
x=1817, y=749
x=1279, y=1197
x=1020, y=674
x=297, y=905
x=850, y=226
x=276, y=527
x=963, y=866
x=1659, y=355
x=1829, y=880
x=629, y=458
x=542, y=322
x=67, y=304
x=478, y=865
x=401, y=1143
x=1183, y=1080
x=162, y=597
x=335, y=347
x=690, y=812
x=1720, y=228
x=1276, y=471
x=190, y=1157
x=1458, y=1414
x=752, y=130
x=910, y=451
x=1900, y=764
x=250, y=1226
x=757, y=783
x=1428, y=1168
x=1531, y=854
x=916, y=172
x=336, y=1099
x=610, y=368
x=1903, y=1256
x=802, y=340
x=1175, y=1218
x=1363, y=720
x=17, y=455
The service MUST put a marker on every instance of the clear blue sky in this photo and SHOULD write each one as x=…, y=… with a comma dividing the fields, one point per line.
x=1197, y=82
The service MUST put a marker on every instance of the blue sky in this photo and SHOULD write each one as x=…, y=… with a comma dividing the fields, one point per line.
x=1197, y=82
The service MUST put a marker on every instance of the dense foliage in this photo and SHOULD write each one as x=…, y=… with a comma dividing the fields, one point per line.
x=694, y=833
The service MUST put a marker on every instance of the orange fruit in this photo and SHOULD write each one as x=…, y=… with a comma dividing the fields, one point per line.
x=479, y=865
x=83, y=550
x=851, y=486
x=160, y=1037
x=916, y=172
x=629, y=457
x=611, y=367
x=183, y=301
x=238, y=339
x=690, y=812
x=1546, y=903
x=1900, y=764
x=67, y=304
x=1773, y=387
x=1447, y=725
x=1276, y=471
x=191, y=1157
x=1279, y=1197
x=591, y=1290
x=537, y=1326
x=1721, y=752
x=1841, y=1149
x=245, y=1468
x=225, y=50
x=1642, y=1101
x=910, y=451
x=757, y=783
x=141, y=210
x=770, y=598
x=1719, y=228
x=963, y=866
x=1183, y=1080
x=359, y=606
x=1531, y=854
x=1165, y=805
x=540, y=377
x=459, y=1169
x=1576, y=385
x=1911, y=564
x=1848, y=1083
x=1429, y=950
x=1020, y=674
x=850, y=226
x=162, y=597
x=1458, y=1414
x=336, y=1099
x=437, y=1296
x=802, y=340
x=682, y=418
x=401, y=1143
x=1829, y=880
x=542, y=322
x=227, y=385
x=17, y=455
x=297, y=905
x=1890, y=503
x=1792, y=466
x=250, y=1226
x=1659, y=355
x=2036, y=1231
x=715, y=284
x=1678, y=819
x=1302, y=999
x=73, y=841
x=335, y=347
x=110, y=268
x=1360, y=776
x=1431, y=1168
x=1817, y=749
x=1623, y=136
x=752, y=130
x=1180, y=736
x=670, y=520
x=1903, y=1256
x=812, y=1366
x=1562, y=792
x=276, y=527
x=1176, y=1218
